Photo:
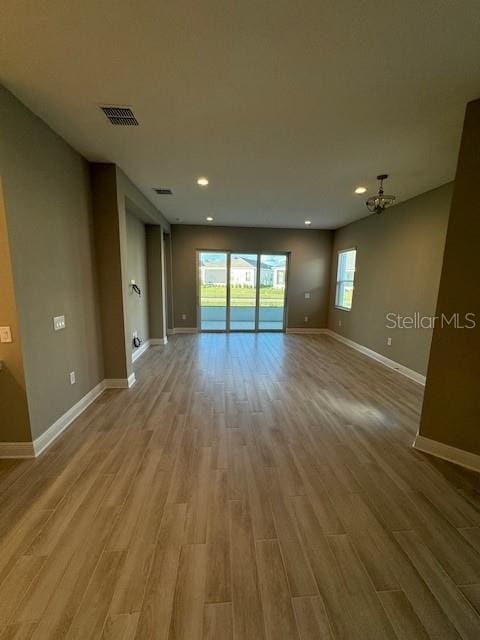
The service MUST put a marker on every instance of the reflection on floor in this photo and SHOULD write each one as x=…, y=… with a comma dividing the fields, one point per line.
x=248, y=487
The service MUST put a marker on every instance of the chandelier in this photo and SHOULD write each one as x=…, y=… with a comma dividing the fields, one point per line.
x=378, y=203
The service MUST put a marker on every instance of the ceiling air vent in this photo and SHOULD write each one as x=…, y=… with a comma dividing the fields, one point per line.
x=122, y=116
x=163, y=192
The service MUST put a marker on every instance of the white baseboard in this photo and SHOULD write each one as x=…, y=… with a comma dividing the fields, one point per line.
x=52, y=433
x=141, y=350
x=16, y=450
x=391, y=364
x=152, y=342
x=446, y=452
x=185, y=330
x=305, y=330
x=120, y=383
x=35, y=448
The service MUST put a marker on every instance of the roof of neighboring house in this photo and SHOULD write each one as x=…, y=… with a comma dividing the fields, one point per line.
x=242, y=262
x=236, y=262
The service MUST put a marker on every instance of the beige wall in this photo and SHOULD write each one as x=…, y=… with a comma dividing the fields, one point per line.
x=156, y=274
x=399, y=259
x=137, y=306
x=451, y=409
x=48, y=210
x=109, y=269
x=310, y=255
x=113, y=195
x=167, y=244
x=14, y=418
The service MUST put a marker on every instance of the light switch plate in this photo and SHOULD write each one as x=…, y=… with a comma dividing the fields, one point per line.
x=5, y=334
x=58, y=323
x=307, y=296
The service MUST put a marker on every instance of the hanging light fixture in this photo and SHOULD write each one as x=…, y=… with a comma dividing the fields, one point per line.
x=378, y=203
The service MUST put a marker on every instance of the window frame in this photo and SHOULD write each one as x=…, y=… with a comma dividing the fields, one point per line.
x=339, y=282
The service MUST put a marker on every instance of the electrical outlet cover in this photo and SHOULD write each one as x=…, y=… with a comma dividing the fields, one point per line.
x=5, y=334
x=58, y=323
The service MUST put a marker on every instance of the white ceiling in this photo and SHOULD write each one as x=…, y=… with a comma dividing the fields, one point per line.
x=286, y=105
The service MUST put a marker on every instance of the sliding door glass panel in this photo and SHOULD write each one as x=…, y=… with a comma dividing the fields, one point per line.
x=212, y=267
x=243, y=291
x=273, y=278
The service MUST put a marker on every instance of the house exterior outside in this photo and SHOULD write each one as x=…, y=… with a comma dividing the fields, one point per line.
x=278, y=277
x=243, y=273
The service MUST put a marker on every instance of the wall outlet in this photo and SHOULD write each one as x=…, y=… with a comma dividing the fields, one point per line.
x=72, y=377
x=184, y=316
x=132, y=282
x=58, y=323
x=339, y=323
x=389, y=342
x=135, y=334
x=307, y=295
x=306, y=318
x=5, y=334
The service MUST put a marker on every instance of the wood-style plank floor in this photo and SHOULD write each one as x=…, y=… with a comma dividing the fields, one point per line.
x=249, y=487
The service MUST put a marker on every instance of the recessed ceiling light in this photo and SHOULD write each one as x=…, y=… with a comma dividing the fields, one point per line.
x=209, y=219
x=202, y=181
x=360, y=190
x=308, y=222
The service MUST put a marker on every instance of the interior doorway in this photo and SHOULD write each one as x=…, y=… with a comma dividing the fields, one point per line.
x=240, y=291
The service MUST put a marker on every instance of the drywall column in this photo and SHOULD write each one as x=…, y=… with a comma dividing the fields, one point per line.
x=14, y=416
x=451, y=409
x=167, y=244
x=109, y=267
x=156, y=284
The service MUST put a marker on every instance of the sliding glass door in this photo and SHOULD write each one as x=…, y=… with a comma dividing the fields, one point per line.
x=241, y=291
x=271, y=299
x=212, y=290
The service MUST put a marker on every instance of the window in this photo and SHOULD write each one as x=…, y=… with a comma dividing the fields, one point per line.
x=345, y=278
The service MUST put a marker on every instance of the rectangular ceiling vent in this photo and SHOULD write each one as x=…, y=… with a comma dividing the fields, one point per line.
x=120, y=116
x=163, y=192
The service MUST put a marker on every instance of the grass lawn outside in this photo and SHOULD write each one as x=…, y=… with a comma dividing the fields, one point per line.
x=241, y=296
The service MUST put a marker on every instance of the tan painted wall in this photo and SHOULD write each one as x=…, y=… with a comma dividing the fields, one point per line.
x=155, y=273
x=48, y=210
x=451, y=409
x=137, y=306
x=109, y=269
x=310, y=255
x=14, y=418
x=399, y=259
x=113, y=195
x=167, y=244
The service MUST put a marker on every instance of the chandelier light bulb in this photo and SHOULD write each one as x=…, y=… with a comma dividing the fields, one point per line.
x=378, y=203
